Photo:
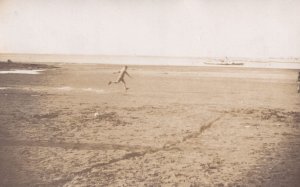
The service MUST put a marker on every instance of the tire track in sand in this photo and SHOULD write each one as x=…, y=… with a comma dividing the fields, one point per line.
x=71, y=145
x=131, y=155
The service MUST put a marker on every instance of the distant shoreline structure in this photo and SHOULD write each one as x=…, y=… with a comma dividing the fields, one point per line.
x=225, y=63
x=285, y=63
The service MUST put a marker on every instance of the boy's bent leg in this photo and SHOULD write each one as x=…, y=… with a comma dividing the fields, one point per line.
x=115, y=82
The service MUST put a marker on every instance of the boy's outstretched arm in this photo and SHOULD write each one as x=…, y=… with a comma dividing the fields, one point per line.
x=116, y=72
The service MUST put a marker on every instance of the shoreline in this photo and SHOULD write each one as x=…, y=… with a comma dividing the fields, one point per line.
x=268, y=63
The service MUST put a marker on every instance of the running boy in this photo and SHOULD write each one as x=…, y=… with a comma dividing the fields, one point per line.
x=122, y=74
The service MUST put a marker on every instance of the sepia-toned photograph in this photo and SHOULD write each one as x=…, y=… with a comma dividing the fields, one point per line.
x=149, y=93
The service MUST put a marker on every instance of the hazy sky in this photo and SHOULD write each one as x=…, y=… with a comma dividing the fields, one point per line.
x=200, y=28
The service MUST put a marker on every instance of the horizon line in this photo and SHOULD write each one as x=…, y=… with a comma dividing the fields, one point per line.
x=149, y=56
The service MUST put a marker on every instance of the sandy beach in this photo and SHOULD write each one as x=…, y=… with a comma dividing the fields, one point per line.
x=175, y=126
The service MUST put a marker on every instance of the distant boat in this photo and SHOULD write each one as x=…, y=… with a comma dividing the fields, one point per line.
x=225, y=63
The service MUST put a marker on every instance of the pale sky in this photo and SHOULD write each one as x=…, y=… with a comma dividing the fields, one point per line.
x=196, y=28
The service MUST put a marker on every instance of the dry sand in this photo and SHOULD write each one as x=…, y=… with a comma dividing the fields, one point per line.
x=176, y=126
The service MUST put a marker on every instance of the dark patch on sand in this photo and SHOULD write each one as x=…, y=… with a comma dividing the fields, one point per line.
x=9, y=65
